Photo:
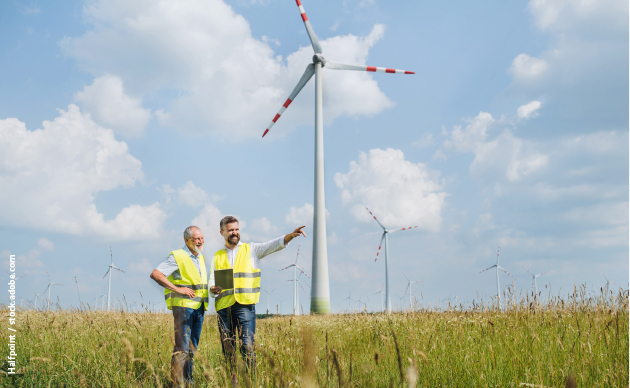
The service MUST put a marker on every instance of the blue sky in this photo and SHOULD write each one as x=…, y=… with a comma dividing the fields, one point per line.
x=121, y=124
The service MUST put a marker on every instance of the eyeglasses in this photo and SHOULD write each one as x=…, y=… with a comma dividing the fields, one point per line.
x=196, y=238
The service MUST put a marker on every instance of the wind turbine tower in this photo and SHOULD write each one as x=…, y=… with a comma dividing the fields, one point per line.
x=534, y=279
x=386, y=231
x=109, y=271
x=320, y=294
x=498, y=267
x=48, y=289
x=409, y=283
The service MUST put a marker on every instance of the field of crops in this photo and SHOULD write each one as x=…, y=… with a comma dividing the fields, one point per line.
x=570, y=341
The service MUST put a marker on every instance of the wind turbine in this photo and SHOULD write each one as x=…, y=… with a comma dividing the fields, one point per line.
x=409, y=283
x=281, y=300
x=497, y=266
x=382, y=304
x=50, y=283
x=268, y=292
x=320, y=295
x=109, y=271
x=296, y=296
x=534, y=279
x=349, y=299
x=386, y=231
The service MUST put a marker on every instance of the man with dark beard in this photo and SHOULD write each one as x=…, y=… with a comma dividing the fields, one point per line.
x=236, y=307
x=185, y=280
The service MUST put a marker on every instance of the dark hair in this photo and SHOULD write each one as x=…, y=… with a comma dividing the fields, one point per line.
x=227, y=220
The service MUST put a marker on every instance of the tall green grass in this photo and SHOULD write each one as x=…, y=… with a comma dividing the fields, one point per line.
x=560, y=342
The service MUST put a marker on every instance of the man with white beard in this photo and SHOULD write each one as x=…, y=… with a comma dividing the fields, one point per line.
x=185, y=280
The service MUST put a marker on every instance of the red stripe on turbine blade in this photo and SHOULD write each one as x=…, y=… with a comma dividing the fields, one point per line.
x=276, y=118
x=266, y=130
x=298, y=2
x=371, y=68
x=304, y=18
x=403, y=228
x=287, y=103
x=390, y=70
x=409, y=72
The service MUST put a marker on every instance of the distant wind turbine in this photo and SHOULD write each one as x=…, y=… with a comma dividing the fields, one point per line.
x=320, y=295
x=534, y=279
x=384, y=238
x=50, y=283
x=281, y=300
x=382, y=294
x=350, y=300
x=268, y=292
x=409, y=283
x=109, y=271
x=497, y=266
x=296, y=280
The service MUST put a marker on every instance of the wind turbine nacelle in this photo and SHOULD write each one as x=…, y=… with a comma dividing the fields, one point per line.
x=319, y=58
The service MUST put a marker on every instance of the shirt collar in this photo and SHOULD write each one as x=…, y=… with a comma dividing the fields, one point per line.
x=187, y=250
x=227, y=249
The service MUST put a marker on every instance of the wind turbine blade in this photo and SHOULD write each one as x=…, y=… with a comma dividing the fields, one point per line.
x=379, y=247
x=502, y=269
x=292, y=265
x=397, y=230
x=308, y=73
x=45, y=290
x=309, y=29
x=341, y=66
x=546, y=272
x=527, y=270
x=106, y=273
x=487, y=268
x=375, y=219
x=119, y=269
x=298, y=255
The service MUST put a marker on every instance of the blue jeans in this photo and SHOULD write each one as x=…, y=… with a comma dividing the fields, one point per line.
x=238, y=319
x=188, y=323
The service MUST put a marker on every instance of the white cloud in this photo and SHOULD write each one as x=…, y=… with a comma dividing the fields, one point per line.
x=227, y=81
x=263, y=230
x=333, y=239
x=143, y=267
x=53, y=174
x=397, y=191
x=426, y=140
x=299, y=216
x=528, y=110
x=191, y=195
x=475, y=133
x=568, y=14
x=525, y=68
x=46, y=244
x=508, y=156
x=108, y=104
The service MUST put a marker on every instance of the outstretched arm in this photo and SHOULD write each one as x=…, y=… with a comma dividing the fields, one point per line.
x=290, y=236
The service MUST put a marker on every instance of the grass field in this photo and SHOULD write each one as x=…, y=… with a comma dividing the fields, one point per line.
x=573, y=341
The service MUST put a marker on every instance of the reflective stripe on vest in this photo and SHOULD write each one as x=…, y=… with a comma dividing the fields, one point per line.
x=190, y=278
x=246, y=279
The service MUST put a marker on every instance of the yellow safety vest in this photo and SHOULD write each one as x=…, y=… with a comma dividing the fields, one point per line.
x=190, y=278
x=246, y=279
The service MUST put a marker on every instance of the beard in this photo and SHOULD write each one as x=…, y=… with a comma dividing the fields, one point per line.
x=199, y=249
x=234, y=239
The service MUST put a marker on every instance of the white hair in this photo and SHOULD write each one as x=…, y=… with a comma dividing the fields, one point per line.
x=188, y=233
